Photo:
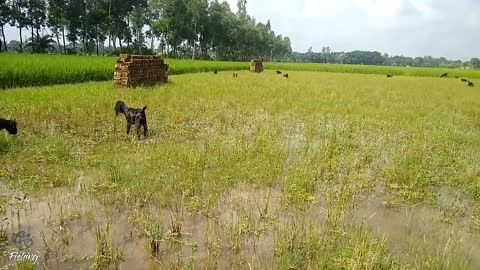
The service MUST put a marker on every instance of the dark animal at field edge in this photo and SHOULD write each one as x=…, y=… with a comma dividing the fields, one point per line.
x=470, y=84
x=389, y=75
x=444, y=75
x=285, y=75
x=133, y=116
x=235, y=75
x=279, y=72
x=215, y=71
x=9, y=125
x=464, y=80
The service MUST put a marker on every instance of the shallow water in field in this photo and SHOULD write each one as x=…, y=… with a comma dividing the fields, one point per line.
x=238, y=231
x=411, y=230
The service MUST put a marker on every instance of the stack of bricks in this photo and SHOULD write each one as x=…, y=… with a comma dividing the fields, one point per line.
x=137, y=70
x=256, y=66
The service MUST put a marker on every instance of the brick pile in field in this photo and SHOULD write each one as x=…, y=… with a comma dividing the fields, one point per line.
x=136, y=70
x=256, y=66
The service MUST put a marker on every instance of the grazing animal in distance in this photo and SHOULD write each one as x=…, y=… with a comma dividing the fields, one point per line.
x=9, y=125
x=285, y=75
x=471, y=84
x=215, y=71
x=456, y=77
x=235, y=75
x=389, y=75
x=279, y=72
x=464, y=80
x=135, y=117
x=444, y=75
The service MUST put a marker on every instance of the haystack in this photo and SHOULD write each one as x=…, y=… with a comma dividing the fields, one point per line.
x=136, y=70
x=256, y=66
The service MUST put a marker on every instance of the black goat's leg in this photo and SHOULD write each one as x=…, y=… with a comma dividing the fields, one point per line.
x=128, y=127
x=145, y=128
x=137, y=126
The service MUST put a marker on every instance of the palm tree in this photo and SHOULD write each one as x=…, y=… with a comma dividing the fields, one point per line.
x=41, y=44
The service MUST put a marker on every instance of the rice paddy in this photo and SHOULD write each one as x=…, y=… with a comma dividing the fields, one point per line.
x=317, y=171
x=21, y=70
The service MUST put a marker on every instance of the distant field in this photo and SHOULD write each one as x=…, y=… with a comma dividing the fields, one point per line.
x=20, y=70
x=366, y=69
x=317, y=171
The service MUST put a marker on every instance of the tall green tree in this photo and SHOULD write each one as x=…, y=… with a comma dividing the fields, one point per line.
x=219, y=29
x=475, y=62
x=97, y=18
x=19, y=17
x=152, y=14
x=74, y=11
x=139, y=19
x=42, y=44
x=116, y=21
x=57, y=21
x=197, y=11
x=36, y=12
x=5, y=15
x=185, y=28
x=242, y=8
x=177, y=23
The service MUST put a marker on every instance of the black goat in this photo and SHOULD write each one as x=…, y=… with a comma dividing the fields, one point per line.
x=215, y=71
x=464, y=80
x=235, y=75
x=444, y=75
x=285, y=75
x=279, y=72
x=471, y=84
x=133, y=116
x=389, y=75
x=9, y=125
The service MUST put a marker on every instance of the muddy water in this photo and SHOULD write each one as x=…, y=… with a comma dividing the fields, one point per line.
x=66, y=223
x=75, y=217
x=239, y=233
x=416, y=230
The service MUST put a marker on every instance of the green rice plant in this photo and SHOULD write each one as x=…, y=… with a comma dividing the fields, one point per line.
x=25, y=265
x=3, y=235
x=107, y=254
x=304, y=246
x=371, y=69
x=150, y=228
x=20, y=70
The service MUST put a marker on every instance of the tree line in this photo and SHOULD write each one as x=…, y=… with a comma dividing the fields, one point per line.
x=197, y=29
x=326, y=55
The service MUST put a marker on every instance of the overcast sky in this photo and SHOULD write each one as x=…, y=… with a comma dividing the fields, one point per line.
x=449, y=28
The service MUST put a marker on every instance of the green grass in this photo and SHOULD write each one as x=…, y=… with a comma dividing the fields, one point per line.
x=370, y=69
x=21, y=70
x=316, y=140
